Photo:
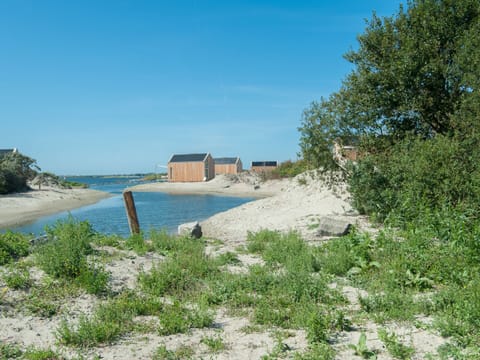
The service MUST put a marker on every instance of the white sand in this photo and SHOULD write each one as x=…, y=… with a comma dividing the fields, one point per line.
x=22, y=208
x=244, y=185
x=295, y=204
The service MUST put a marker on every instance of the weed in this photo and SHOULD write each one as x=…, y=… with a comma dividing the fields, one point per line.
x=395, y=305
x=176, y=319
x=182, y=353
x=317, y=351
x=65, y=255
x=109, y=321
x=165, y=243
x=10, y=351
x=214, y=343
x=394, y=346
x=228, y=258
x=361, y=348
x=41, y=354
x=18, y=278
x=181, y=274
x=136, y=243
x=13, y=246
x=94, y=279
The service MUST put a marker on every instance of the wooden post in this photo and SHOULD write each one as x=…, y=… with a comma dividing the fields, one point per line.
x=131, y=212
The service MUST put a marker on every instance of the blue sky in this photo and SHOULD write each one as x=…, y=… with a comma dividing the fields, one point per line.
x=109, y=87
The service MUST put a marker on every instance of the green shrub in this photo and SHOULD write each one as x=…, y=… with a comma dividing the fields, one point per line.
x=136, y=243
x=418, y=174
x=65, y=253
x=12, y=246
x=175, y=319
x=290, y=168
x=18, y=278
x=182, y=273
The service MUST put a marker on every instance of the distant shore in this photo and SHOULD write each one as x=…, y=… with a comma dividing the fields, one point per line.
x=23, y=208
x=220, y=185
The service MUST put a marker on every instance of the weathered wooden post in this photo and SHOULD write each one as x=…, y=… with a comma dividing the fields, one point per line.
x=131, y=212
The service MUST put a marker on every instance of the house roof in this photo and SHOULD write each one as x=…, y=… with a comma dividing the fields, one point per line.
x=176, y=158
x=4, y=152
x=264, y=163
x=226, y=160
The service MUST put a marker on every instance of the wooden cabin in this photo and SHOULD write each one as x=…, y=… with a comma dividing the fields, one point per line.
x=228, y=165
x=191, y=168
x=263, y=166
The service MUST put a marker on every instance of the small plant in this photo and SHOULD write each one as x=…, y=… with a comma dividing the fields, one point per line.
x=214, y=343
x=175, y=319
x=394, y=346
x=317, y=351
x=64, y=256
x=182, y=353
x=318, y=328
x=10, y=351
x=13, y=246
x=361, y=348
x=228, y=258
x=417, y=281
x=18, y=278
x=136, y=243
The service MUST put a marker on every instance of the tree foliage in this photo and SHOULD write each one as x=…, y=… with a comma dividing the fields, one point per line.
x=413, y=74
x=15, y=170
x=412, y=104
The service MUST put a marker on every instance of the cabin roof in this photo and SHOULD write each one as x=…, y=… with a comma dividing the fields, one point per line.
x=264, y=163
x=176, y=158
x=226, y=160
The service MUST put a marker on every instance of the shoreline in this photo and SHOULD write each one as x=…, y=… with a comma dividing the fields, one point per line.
x=23, y=208
x=220, y=185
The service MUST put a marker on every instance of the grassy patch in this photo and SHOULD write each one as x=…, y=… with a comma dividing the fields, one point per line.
x=65, y=255
x=214, y=343
x=110, y=320
x=13, y=246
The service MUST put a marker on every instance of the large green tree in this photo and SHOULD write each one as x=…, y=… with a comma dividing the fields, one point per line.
x=416, y=72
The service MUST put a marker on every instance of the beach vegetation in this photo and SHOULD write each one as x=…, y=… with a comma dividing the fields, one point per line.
x=395, y=347
x=214, y=343
x=181, y=353
x=289, y=169
x=14, y=351
x=65, y=255
x=18, y=277
x=13, y=246
x=16, y=170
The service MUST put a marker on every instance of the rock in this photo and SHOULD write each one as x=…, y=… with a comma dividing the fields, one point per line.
x=192, y=229
x=330, y=226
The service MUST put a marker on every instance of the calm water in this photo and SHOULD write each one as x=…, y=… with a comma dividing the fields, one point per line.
x=155, y=210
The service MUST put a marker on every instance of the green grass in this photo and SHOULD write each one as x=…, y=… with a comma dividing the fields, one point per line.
x=214, y=343
x=18, y=277
x=406, y=272
x=397, y=349
x=182, y=353
x=109, y=321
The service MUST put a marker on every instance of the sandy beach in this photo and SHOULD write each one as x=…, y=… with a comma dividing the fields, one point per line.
x=289, y=204
x=244, y=185
x=22, y=208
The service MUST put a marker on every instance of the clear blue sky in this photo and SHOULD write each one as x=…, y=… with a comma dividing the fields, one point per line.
x=102, y=87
